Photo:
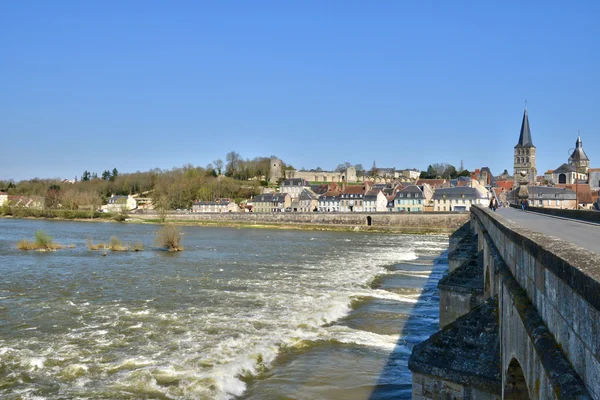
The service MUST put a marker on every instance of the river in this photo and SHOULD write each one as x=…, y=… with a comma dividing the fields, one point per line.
x=239, y=314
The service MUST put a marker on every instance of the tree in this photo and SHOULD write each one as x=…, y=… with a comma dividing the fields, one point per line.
x=52, y=198
x=449, y=172
x=430, y=173
x=161, y=205
x=218, y=163
x=343, y=167
x=106, y=175
x=233, y=163
x=115, y=173
x=359, y=168
x=86, y=176
x=464, y=172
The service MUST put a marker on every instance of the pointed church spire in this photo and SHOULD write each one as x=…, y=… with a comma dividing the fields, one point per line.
x=525, y=137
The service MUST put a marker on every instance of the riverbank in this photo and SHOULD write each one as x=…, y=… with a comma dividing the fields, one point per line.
x=406, y=223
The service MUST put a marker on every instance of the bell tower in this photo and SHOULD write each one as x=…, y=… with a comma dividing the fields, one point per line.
x=524, y=156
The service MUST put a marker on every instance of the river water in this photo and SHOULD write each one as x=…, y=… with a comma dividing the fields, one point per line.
x=240, y=314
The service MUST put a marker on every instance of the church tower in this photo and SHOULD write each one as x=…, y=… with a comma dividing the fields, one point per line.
x=579, y=159
x=525, y=153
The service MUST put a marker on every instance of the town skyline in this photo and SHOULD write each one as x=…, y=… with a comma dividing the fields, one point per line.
x=138, y=87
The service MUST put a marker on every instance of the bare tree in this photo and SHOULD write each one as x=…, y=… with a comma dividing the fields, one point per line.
x=218, y=163
x=233, y=163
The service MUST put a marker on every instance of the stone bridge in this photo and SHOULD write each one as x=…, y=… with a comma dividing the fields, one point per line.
x=520, y=313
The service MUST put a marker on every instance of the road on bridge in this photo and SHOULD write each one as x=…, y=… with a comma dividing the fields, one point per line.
x=583, y=234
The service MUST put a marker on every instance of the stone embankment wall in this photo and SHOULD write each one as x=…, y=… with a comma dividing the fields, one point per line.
x=415, y=222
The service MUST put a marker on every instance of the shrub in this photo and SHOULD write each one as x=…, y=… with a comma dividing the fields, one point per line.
x=25, y=245
x=137, y=246
x=43, y=242
x=98, y=246
x=169, y=237
x=116, y=244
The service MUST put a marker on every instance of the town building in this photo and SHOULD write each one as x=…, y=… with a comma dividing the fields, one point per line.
x=375, y=201
x=219, y=206
x=352, y=199
x=566, y=174
x=3, y=198
x=294, y=187
x=409, y=199
x=459, y=198
x=594, y=178
x=433, y=183
x=427, y=193
x=307, y=201
x=585, y=197
x=329, y=202
x=271, y=203
x=524, y=155
x=120, y=204
x=547, y=197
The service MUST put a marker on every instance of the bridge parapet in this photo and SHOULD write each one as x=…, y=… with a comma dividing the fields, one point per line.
x=549, y=295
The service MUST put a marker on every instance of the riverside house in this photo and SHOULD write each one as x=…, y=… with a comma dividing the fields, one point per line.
x=352, y=199
x=120, y=203
x=329, y=202
x=218, y=206
x=375, y=201
x=294, y=187
x=459, y=198
x=268, y=203
x=409, y=199
x=3, y=198
x=308, y=201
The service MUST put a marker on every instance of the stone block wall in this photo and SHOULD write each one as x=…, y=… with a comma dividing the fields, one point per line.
x=427, y=387
x=431, y=222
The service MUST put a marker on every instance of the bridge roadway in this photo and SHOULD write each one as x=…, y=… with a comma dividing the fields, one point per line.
x=583, y=234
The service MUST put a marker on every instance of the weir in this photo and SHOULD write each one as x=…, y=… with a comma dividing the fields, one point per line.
x=520, y=317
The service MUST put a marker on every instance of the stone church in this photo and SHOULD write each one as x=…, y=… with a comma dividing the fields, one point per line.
x=525, y=153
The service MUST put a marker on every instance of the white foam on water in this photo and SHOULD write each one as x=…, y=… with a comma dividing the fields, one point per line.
x=385, y=295
x=34, y=363
x=344, y=334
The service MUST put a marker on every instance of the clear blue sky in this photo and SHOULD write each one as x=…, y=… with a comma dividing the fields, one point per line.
x=136, y=85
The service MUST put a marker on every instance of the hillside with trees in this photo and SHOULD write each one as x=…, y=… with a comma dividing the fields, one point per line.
x=237, y=178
